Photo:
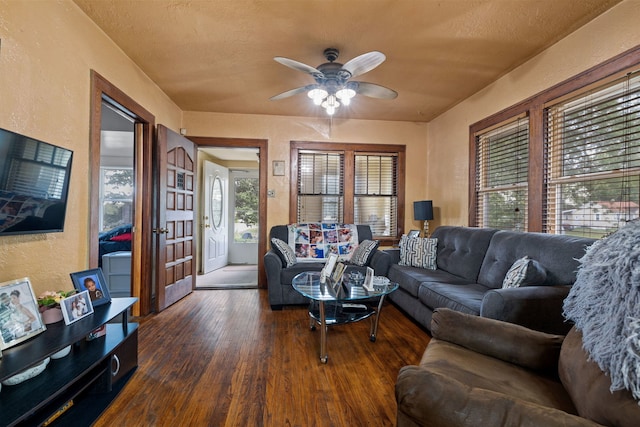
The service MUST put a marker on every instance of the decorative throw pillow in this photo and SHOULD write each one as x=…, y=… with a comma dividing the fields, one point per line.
x=364, y=252
x=284, y=251
x=524, y=271
x=418, y=252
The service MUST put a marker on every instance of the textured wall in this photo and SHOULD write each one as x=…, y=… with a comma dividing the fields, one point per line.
x=46, y=55
x=448, y=150
x=279, y=131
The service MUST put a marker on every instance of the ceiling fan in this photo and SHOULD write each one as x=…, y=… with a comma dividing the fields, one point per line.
x=333, y=85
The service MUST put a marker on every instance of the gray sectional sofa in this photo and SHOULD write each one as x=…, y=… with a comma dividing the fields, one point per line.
x=471, y=266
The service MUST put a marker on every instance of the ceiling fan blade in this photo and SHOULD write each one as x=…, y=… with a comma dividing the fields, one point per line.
x=363, y=63
x=373, y=90
x=292, y=92
x=297, y=65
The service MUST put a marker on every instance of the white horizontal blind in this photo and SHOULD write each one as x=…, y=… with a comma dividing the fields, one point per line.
x=376, y=192
x=593, y=162
x=38, y=170
x=502, y=165
x=320, y=187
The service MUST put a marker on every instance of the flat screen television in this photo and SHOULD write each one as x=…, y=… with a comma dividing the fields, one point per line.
x=34, y=183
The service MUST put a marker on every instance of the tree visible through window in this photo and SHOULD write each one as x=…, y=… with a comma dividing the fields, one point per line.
x=116, y=197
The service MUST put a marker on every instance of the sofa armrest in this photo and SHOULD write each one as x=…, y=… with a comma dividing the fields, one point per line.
x=505, y=341
x=380, y=263
x=536, y=307
x=426, y=398
x=273, y=268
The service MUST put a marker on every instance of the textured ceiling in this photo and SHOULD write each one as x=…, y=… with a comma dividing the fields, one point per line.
x=217, y=55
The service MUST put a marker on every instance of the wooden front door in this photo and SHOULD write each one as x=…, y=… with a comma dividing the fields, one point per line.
x=175, y=221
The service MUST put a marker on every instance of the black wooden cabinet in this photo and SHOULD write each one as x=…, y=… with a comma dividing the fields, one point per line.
x=86, y=380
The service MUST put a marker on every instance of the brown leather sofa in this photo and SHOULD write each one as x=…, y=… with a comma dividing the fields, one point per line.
x=484, y=372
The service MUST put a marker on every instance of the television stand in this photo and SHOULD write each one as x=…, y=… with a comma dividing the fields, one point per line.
x=76, y=387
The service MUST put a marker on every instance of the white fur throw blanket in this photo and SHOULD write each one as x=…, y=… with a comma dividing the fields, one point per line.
x=604, y=303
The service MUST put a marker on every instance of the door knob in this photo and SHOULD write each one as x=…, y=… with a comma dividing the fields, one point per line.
x=160, y=230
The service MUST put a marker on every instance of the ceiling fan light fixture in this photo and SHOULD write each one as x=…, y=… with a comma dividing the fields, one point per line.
x=330, y=104
x=332, y=85
x=317, y=95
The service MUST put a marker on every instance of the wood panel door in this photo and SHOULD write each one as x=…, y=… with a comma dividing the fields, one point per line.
x=176, y=166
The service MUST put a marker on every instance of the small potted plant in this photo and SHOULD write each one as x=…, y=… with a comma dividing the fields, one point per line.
x=49, y=305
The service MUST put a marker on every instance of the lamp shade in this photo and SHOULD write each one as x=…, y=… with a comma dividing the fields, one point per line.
x=423, y=210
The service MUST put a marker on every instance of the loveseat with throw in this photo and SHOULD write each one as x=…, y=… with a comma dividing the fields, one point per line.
x=513, y=276
x=288, y=257
x=484, y=372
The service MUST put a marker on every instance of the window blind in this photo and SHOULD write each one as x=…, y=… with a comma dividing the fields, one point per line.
x=592, y=172
x=502, y=162
x=375, y=192
x=320, y=187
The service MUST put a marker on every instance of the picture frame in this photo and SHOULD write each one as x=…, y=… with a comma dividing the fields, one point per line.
x=368, y=280
x=20, y=318
x=93, y=281
x=278, y=168
x=413, y=233
x=327, y=270
x=76, y=307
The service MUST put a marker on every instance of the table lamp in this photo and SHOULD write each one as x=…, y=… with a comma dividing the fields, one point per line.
x=423, y=211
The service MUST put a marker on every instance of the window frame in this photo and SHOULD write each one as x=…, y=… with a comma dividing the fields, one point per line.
x=350, y=150
x=534, y=107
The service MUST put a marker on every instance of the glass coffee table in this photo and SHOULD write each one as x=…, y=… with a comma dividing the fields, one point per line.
x=340, y=304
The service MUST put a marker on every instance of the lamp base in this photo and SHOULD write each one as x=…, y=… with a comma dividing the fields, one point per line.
x=425, y=229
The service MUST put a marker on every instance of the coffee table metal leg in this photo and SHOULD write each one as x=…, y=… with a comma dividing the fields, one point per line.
x=375, y=320
x=323, y=334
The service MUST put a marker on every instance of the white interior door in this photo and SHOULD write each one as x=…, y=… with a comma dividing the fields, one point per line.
x=243, y=216
x=215, y=251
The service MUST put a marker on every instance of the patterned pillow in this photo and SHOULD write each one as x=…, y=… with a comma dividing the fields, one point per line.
x=524, y=271
x=418, y=252
x=364, y=252
x=284, y=251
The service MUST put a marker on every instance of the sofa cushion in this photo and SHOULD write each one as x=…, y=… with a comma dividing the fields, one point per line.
x=287, y=274
x=364, y=252
x=588, y=387
x=409, y=279
x=418, y=252
x=482, y=372
x=505, y=341
x=284, y=252
x=524, y=271
x=465, y=298
x=461, y=249
x=558, y=254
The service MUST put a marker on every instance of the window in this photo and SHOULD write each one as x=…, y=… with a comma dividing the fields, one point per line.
x=116, y=197
x=320, y=186
x=351, y=183
x=583, y=162
x=593, y=169
x=376, y=192
x=502, y=159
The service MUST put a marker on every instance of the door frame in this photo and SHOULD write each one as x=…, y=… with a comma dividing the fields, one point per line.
x=261, y=145
x=141, y=244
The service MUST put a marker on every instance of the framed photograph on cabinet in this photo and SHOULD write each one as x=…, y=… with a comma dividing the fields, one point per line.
x=76, y=307
x=94, y=282
x=19, y=315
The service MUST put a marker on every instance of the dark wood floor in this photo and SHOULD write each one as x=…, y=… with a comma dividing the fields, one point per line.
x=223, y=358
